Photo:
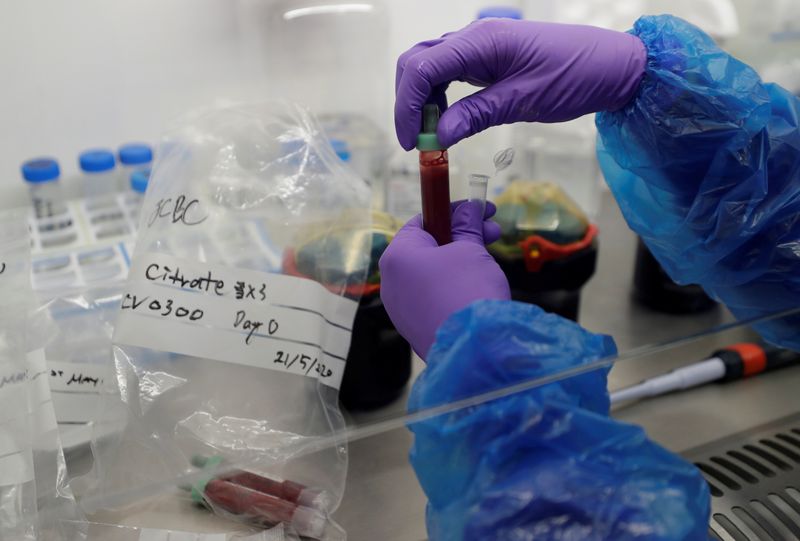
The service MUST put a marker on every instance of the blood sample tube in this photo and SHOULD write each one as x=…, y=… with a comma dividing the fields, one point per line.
x=287, y=490
x=257, y=507
x=434, y=176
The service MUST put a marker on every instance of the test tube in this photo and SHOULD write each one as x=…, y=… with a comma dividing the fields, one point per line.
x=253, y=506
x=434, y=176
x=477, y=189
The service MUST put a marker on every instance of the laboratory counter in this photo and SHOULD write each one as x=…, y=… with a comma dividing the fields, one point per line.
x=383, y=499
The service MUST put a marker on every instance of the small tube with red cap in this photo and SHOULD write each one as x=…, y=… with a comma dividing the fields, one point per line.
x=731, y=363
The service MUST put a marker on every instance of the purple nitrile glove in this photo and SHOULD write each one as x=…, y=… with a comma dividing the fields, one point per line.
x=532, y=71
x=422, y=283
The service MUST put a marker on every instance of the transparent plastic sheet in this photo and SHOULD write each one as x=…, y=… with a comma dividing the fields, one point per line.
x=78, y=325
x=376, y=506
x=18, y=510
x=96, y=531
x=225, y=352
x=35, y=497
x=58, y=514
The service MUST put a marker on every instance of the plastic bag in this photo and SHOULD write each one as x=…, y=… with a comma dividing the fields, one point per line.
x=547, y=463
x=704, y=163
x=223, y=355
x=111, y=532
x=76, y=326
x=18, y=512
x=35, y=499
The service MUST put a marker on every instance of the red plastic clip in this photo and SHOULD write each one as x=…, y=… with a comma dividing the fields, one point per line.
x=537, y=250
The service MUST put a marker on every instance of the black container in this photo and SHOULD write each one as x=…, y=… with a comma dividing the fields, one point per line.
x=653, y=287
x=556, y=287
x=379, y=361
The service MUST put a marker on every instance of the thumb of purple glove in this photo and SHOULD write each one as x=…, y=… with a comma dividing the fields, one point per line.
x=422, y=283
x=531, y=71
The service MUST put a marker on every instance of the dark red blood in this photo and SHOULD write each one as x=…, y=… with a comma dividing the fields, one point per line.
x=286, y=490
x=250, y=504
x=434, y=176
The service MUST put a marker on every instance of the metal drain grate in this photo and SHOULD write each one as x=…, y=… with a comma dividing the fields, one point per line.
x=754, y=479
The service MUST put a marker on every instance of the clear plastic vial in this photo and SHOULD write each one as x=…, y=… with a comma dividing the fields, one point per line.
x=478, y=185
x=133, y=157
x=99, y=178
x=41, y=175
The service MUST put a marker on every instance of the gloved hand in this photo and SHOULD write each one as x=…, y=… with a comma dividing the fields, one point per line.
x=422, y=283
x=533, y=72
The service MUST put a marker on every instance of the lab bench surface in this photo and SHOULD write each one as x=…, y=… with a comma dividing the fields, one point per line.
x=383, y=499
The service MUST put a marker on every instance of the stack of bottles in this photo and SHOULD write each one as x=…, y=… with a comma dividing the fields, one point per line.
x=77, y=241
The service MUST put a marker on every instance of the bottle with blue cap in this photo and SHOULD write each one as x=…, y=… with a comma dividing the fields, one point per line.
x=99, y=178
x=41, y=175
x=133, y=157
x=138, y=184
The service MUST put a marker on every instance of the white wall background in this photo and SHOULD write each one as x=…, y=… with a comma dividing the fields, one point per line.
x=90, y=73
x=87, y=73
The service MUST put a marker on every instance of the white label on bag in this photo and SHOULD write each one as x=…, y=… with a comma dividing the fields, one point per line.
x=236, y=315
x=85, y=378
x=75, y=388
x=16, y=459
x=44, y=417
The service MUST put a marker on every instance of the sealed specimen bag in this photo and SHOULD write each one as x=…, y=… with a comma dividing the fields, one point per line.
x=18, y=512
x=224, y=355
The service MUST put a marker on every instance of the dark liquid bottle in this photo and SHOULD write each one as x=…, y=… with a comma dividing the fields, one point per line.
x=434, y=176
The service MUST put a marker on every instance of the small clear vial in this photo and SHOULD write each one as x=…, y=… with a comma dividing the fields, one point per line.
x=477, y=189
x=133, y=157
x=41, y=175
x=99, y=179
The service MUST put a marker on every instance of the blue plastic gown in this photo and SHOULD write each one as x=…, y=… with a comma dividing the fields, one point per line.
x=705, y=164
x=547, y=463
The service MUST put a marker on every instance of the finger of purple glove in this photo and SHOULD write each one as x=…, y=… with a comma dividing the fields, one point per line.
x=467, y=217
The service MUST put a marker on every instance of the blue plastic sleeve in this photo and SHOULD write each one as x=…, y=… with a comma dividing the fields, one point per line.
x=705, y=165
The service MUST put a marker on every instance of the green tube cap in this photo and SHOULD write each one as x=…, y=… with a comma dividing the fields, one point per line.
x=199, y=488
x=427, y=140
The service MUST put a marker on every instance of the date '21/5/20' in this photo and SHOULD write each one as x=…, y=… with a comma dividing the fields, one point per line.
x=305, y=362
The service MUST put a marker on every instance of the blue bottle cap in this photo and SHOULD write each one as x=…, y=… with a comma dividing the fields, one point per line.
x=139, y=180
x=40, y=170
x=135, y=154
x=94, y=161
x=340, y=147
x=501, y=12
